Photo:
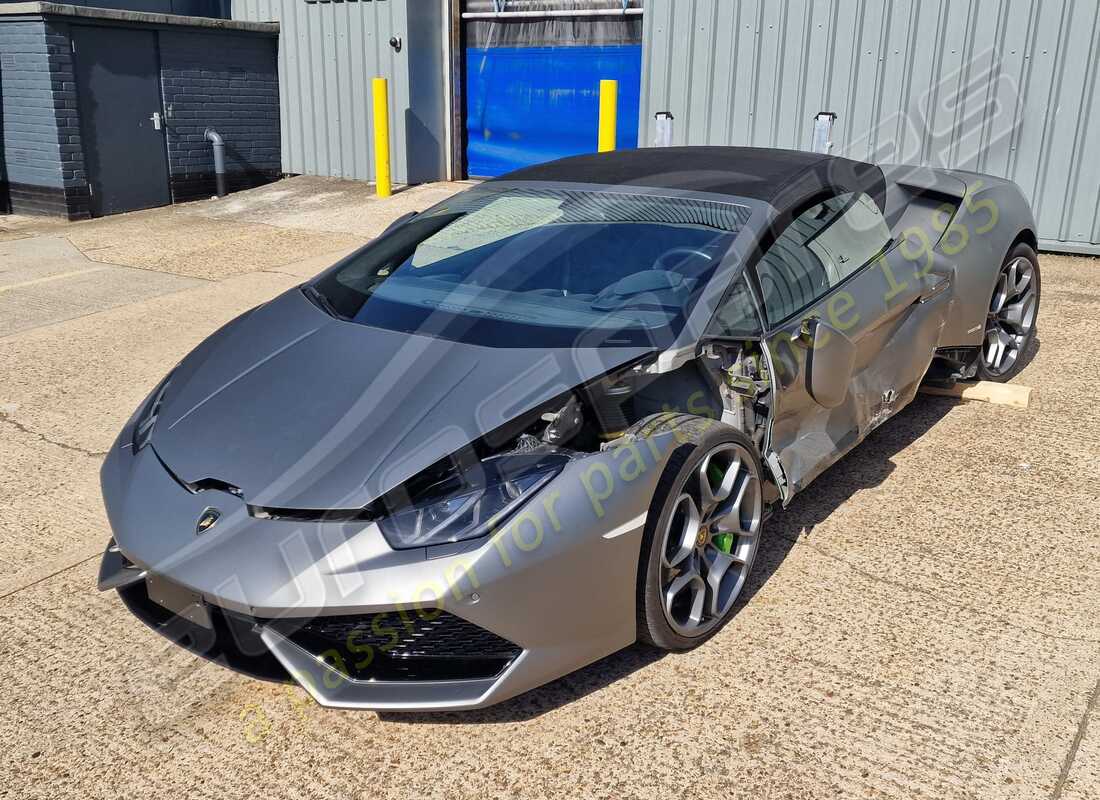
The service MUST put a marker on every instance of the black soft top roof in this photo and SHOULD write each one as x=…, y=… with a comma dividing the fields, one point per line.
x=781, y=178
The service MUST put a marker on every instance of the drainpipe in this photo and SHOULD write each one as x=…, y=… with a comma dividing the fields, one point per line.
x=215, y=138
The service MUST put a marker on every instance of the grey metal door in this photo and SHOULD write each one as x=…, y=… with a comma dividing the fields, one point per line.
x=121, y=118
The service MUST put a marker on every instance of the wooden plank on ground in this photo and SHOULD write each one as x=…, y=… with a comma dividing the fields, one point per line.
x=1002, y=394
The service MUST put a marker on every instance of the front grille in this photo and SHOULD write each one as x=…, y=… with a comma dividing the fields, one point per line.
x=402, y=646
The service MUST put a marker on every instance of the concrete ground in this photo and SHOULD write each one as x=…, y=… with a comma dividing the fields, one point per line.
x=922, y=622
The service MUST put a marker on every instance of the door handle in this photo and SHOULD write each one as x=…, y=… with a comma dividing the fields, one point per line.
x=156, y=120
x=806, y=331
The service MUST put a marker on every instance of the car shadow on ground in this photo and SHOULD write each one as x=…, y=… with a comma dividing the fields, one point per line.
x=867, y=466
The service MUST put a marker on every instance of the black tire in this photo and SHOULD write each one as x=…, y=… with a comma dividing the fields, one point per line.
x=986, y=370
x=700, y=437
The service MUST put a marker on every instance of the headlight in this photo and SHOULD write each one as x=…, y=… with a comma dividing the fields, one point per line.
x=481, y=502
x=143, y=425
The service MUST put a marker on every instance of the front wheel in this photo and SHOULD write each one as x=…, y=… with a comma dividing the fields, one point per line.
x=1010, y=322
x=701, y=536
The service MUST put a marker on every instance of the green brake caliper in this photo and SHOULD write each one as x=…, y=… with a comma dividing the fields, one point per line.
x=722, y=541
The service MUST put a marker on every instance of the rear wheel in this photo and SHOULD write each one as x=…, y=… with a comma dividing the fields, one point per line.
x=1010, y=322
x=701, y=536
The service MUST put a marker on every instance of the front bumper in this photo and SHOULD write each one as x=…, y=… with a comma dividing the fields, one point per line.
x=267, y=650
x=557, y=584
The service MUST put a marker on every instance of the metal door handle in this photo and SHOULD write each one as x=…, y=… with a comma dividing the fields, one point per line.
x=806, y=330
x=156, y=120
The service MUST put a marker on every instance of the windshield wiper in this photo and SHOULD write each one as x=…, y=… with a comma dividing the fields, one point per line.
x=319, y=300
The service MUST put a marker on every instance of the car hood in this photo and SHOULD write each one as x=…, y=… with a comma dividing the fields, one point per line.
x=301, y=410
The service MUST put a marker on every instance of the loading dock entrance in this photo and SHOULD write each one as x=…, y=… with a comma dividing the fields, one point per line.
x=532, y=76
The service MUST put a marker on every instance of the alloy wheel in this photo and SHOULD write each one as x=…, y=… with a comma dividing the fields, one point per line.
x=710, y=540
x=1011, y=316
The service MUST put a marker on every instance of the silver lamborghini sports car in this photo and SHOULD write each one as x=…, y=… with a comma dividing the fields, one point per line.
x=549, y=417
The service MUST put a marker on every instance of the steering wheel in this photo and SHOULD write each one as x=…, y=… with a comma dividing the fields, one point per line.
x=680, y=251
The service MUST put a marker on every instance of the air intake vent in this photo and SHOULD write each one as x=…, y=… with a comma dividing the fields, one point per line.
x=430, y=645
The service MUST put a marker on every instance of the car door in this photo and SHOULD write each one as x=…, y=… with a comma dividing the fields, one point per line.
x=852, y=325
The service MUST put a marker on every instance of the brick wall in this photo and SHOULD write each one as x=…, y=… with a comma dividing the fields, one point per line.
x=228, y=82
x=67, y=116
x=40, y=155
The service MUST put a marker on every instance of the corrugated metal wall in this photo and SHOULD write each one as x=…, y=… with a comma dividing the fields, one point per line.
x=1008, y=87
x=328, y=54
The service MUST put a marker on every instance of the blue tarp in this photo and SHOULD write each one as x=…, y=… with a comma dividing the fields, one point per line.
x=526, y=105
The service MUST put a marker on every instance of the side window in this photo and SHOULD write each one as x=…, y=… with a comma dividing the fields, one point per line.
x=737, y=315
x=822, y=247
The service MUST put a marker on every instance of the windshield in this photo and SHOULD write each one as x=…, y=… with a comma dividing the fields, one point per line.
x=535, y=267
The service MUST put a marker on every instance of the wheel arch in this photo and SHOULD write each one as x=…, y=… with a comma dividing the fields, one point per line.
x=1025, y=236
x=693, y=435
x=993, y=217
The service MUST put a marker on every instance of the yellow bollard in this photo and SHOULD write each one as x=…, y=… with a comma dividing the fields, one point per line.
x=609, y=100
x=381, y=138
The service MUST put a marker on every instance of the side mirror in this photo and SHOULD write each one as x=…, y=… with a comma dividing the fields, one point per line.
x=829, y=362
x=397, y=223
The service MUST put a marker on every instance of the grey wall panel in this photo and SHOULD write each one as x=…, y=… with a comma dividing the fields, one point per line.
x=328, y=54
x=1008, y=87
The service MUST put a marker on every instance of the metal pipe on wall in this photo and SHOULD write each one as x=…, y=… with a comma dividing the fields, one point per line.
x=218, y=143
x=663, y=122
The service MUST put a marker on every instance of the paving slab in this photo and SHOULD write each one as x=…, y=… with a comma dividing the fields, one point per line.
x=313, y=203
x=20, y=226
x=1064, y=370
x=50, y=505
x=270, y=227
x=24, y=261
x=171, y=240
x=79, y=294
x=46, y=279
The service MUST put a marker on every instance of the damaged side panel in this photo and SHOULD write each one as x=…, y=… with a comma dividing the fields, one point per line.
x=890, y=315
